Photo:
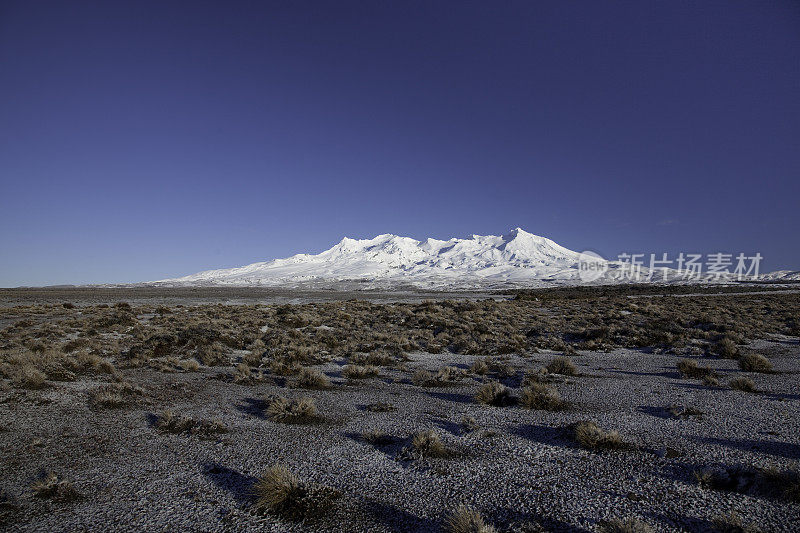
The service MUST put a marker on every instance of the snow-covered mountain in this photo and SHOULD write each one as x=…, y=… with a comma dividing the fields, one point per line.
x=517, y=259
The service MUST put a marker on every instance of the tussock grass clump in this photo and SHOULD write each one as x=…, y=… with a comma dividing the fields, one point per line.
x=280, y=492
x=590, y=436
x=284, y=410
x=465, y=519
x=360, y=371
x=710, y=381
x=54, y=487
x=114, y=395
x=244, y=374
x=423, y=378
x=542, y=397
x=479, y=367
x=726, y=348
x=753, y=362
x=742, y=384
x=169, y=422
x=283, y=368
x=256, y=353
x=443, y=377
x=625, y=525
x=428, y=443
x=563, y=366
x=448, y=374
x=28, y=377
x=494, y=393
x=690, y=369
x=309, y=378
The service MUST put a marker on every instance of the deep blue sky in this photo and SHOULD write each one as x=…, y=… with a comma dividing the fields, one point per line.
x=144, y=140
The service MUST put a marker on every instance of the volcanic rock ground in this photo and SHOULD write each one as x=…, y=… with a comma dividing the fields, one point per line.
x=520, y=465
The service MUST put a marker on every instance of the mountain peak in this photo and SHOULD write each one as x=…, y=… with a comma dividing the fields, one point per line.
x=482, y=260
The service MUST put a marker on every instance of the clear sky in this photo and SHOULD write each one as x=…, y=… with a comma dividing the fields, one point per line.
x=144, y=140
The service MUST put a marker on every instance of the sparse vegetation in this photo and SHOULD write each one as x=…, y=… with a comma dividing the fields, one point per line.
x=114, y=395
x=494, y=393
x=360, y=371
x=690, y=369
x=377, y=438
x=309, y=378
x=279, y=347
x=726, y=348
x=465, y=519
x=54, y=487
x=428, y=444
x=563, y=366
x=299, y=411
x=280, y=492
x=541, y=396
x=590, y=436
x=753, y=362
x=742, y=384
x=169, y=422
x=469, y=424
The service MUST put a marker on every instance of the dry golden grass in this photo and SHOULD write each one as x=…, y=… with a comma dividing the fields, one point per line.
x=563, y=366
x=753, y=362
x=494, y=393
x=689, y=368
x=542, y=397
x=309, y=378
x=465, y=519
x=169, y=422
x=299, y=411
x=742, y=384
x=590, y=436
x=429, y=444
x=360, y=371
x=280, y=492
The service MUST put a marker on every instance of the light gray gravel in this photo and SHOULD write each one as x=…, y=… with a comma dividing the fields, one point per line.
x=520, y=465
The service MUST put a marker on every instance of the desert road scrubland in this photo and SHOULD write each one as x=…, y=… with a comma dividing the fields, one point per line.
x=546, y=410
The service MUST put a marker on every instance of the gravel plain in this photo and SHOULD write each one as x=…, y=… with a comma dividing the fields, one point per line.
x=519, y=467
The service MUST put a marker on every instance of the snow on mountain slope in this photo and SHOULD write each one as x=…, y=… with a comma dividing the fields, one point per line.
x=516, y=258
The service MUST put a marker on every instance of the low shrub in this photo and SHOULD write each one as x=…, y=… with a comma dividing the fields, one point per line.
x=309, y=378
x=753, y=362
x=590, y=436
x=280, y=492
x=494, y=393
x=284, y=410
x=465, y=519
x=742, y=384
x=542, y=397
x=563, y=366
x=689, y=368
